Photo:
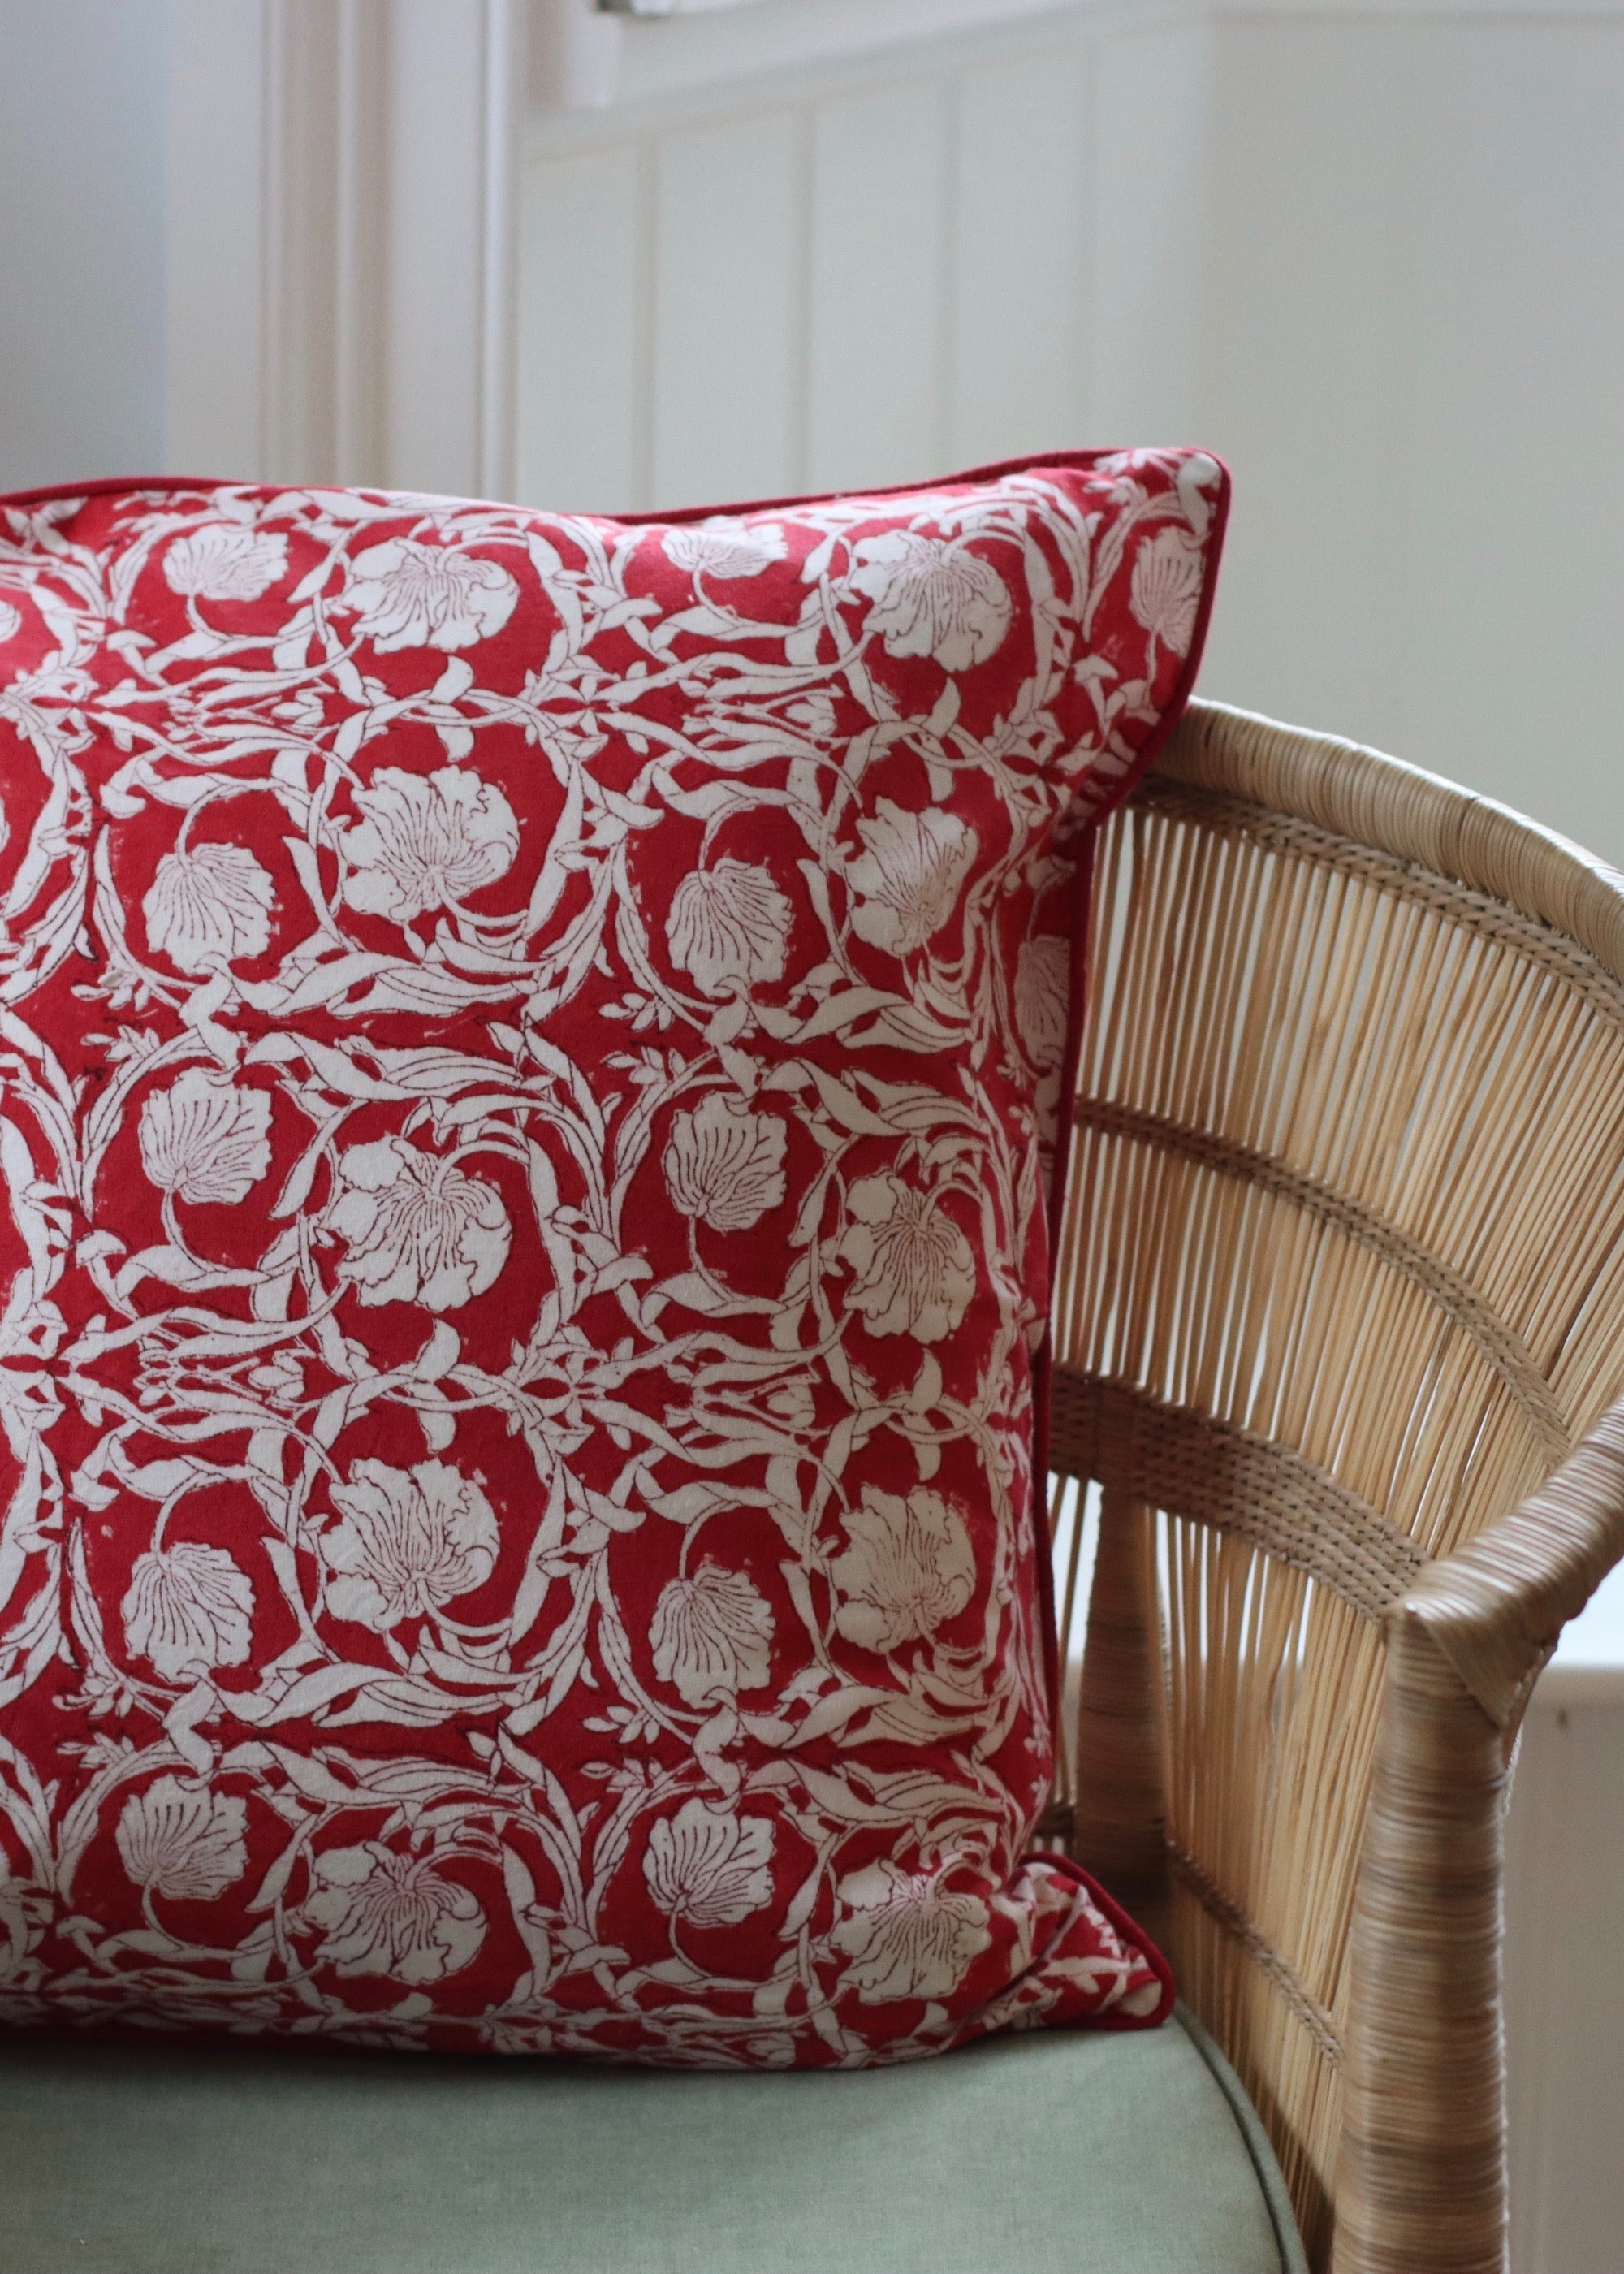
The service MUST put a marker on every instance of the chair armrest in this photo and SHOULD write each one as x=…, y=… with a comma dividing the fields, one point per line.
x=1496, y=1606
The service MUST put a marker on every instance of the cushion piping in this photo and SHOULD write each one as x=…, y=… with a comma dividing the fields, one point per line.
x=1293, y=2259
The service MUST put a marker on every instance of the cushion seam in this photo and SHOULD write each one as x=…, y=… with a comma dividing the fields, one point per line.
x=1248, y=2124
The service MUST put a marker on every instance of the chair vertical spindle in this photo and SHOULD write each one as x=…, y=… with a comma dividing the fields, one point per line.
x=1121, y=1818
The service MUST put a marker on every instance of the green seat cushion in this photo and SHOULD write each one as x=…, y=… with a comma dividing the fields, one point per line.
x=1093, y=2154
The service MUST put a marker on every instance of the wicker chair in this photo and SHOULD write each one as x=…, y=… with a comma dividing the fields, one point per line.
x=1341, y=1322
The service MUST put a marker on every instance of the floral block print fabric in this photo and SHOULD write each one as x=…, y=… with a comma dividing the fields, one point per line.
x=523, y=1051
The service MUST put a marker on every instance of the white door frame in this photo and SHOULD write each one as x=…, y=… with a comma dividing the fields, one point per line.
x=342, y=240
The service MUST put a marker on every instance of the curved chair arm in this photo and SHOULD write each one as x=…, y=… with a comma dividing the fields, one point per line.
x=1495, y=1608
x=1421, y=2179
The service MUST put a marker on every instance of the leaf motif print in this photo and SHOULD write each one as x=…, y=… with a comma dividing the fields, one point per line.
x=205, y=1140
x=184, y=1840
x=709, y=1866
x=417, y=1228
x=1166, y=591
x=18, y=1926
x=382, y=1913
x=426, y=844
x=529, y=1038
x=724, y=1164
x=189, y=1608
x=409, y=1543
x=1043, y=997
x=729, y=926
x=209, y=906
x=405, y=594
x=711, y=1635
x=225, y=560
x=724, y=550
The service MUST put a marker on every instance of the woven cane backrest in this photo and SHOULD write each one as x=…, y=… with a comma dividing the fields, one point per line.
x=1343, y=1281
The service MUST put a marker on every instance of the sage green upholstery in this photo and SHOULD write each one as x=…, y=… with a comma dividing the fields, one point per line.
x=1091, y=2154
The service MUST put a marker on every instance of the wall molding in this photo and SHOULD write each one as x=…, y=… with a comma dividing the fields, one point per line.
x=343, y=227
x=609, y=58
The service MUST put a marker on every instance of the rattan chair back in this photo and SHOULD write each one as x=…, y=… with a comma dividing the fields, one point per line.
x=1342, y=1286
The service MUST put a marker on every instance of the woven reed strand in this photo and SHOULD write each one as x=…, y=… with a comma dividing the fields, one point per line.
x=1347, y=1204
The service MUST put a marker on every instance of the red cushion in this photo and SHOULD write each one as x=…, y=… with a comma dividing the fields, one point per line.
x=524, y=1049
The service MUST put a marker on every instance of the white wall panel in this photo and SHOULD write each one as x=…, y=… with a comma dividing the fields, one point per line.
x=81, y=239
x=582, y=383
x=433, y=297
x=1514, y=573
x=215, y=408
x=1303, y=379
x=1409, y=352
x=1020, y=266
x=1565, y=1983
x=728, y=355
x=339, y=239
x=1152, y=120
x=879, y=370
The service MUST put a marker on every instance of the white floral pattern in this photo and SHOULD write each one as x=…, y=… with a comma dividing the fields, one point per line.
x=909, y=1568
x=428, y=844
x=1043, y=997
x=932, y=598
x=409, y=1543
x=17, y=1936
x=723, y=549
x=417, y=1228
x=529, y=1047
x=729, y=926
x=906, y=1935
x=205, y=1139
x=1168, y=575
x=711, y=1635
x=182, y=1840
x=188, y=1609
x=724, y=1164
x=914, y=1271
x=407, y=594
x=226, y=560
x=908, y=879
x=209, y=906
x=708, y=1865
x=396, y=1915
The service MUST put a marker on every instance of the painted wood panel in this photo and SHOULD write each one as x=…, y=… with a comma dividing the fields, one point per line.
x=434, y=305
x=581, y=389
x=1513, y=574
x=728, y=401
x=82, y=249
x=214, y=407
x=1021, y=258
x=879, y=363
x=1565, y=1988
x=864, y=286
x=1304, y=376
x=1413, y=329
x=1152, y=124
